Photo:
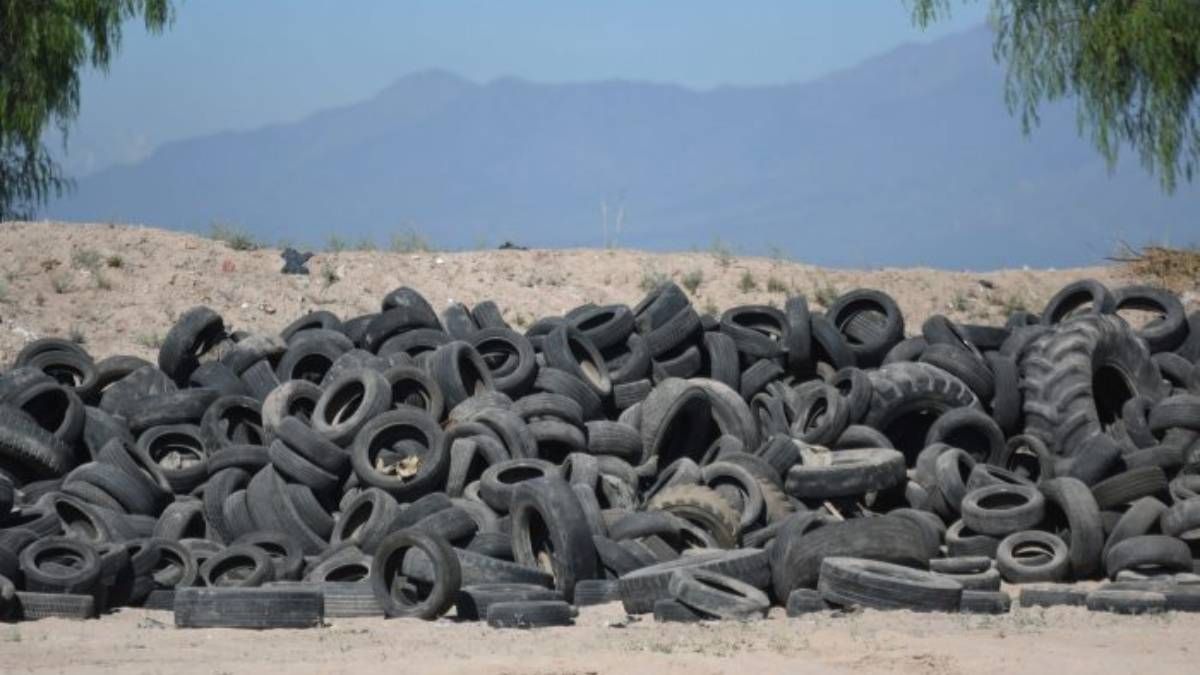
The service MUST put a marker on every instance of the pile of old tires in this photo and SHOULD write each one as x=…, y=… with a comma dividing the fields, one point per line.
x=407, y=464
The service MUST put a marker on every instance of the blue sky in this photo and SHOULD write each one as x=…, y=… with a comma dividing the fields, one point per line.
x=236, y=64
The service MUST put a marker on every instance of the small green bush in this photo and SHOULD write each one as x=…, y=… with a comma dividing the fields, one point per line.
x=692, y=280
x=747, y=283
x=234, y=238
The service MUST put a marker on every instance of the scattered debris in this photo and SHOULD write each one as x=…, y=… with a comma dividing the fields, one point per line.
x=294, y=261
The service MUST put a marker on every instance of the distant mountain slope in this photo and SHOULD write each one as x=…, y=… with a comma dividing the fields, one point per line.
x=908, y=158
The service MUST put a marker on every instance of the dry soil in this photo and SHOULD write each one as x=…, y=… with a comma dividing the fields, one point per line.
x=119, y=288
x=1063, y=641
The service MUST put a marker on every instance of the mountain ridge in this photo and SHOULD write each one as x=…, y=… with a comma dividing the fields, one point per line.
x=908, y=158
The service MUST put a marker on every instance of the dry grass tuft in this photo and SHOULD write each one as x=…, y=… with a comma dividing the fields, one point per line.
x=1177, y=269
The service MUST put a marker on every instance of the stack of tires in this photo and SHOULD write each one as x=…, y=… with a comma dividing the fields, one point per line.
x=403, y=463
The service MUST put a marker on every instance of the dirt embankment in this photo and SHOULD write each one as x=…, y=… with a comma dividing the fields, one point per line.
x=119, y=288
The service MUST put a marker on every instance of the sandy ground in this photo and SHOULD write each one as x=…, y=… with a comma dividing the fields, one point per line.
x=1063, y=641
x=120, y=288
x=56, y=280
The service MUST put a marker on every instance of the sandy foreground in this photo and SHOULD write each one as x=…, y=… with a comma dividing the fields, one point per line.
x=56, y=280
x=119, y=289
x=1062, y=641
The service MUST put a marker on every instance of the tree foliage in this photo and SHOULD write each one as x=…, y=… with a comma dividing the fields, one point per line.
x=43, y=45
x=1133, y=67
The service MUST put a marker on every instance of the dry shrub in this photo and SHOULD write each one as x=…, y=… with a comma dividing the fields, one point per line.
x=1177, y=269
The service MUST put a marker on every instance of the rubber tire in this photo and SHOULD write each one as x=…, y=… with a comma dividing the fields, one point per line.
x=950, y=427
x=459, y=372
x=961, y=565
x=1016, y=570
x=197, y=331
x=869, y=341
x=273, y=607
x=1162, y=335
x=829, y=346
x=30, y=606
x=668, y=610
x=374, y=396
x=1162, y=552
x=225, y=415
x=881, y=585
x=1180, y=411
x=1058, y=373
x=717, y=595
x=899, y=389
x=1129, y=486
x=1074, y=295
x=547, y=507
x=1053, y=595
x=985, y=602
x=569, y=350
x=435, y=458
x=82, y=577
x=30, y=451
x=799, y=549
x=1126, y=602
x=474, y=600
x=1007, y=519
x=804, y=601
x=596, y=592
x=849, y=473
x=498, y=493
x=967, y=366
x=1086, y=543
x=530, y=614
x=703, y=507
x=214, y=572
x=642, y=588
x=520, y=365
x=387, y=565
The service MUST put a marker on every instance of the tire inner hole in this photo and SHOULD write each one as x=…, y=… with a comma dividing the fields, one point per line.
x=345, y=403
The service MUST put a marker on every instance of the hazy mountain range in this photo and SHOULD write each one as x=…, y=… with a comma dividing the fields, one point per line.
x=909, y=158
